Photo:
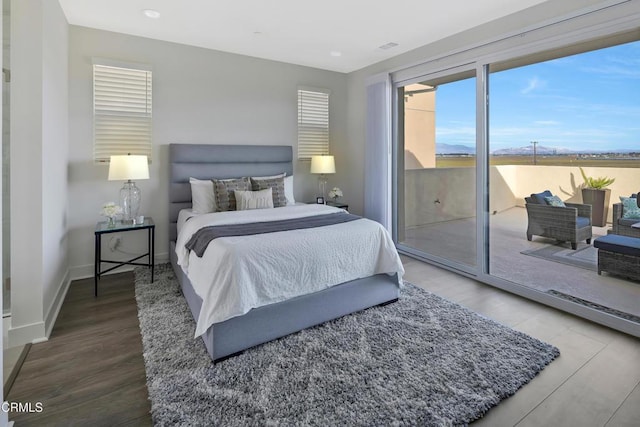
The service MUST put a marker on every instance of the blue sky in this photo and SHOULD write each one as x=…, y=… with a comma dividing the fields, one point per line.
x=589, y=101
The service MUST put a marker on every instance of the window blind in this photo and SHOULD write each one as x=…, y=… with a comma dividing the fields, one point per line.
x=122, y=119
x=313, y=123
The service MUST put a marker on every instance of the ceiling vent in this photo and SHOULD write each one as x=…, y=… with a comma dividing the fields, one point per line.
x=388, y=46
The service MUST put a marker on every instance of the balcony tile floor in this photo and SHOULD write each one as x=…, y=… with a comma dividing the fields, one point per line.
x=455, y=240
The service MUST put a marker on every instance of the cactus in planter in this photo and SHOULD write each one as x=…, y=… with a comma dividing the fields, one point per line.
x=596, y=194
x=599, y=183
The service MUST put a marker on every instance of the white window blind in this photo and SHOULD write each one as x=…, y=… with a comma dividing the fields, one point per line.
x=313, y=123
x=121, y=112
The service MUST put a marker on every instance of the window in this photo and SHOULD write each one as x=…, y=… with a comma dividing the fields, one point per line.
x=313, y=123
x=121, y=111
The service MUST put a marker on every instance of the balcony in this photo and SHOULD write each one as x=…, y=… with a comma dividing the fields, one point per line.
x=439, y=219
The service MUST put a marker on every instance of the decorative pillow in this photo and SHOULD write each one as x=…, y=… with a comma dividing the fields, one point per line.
x=224, y=192
x=288, y=190
x=555, y=201
x=630, y=209
x=277, y=186
x=202, y=198
x=539, y=197
x=262, y=199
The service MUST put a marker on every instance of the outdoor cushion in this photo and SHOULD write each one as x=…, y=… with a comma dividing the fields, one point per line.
x=618, y=244
x=555, y=201
x=630, y=209
x=582, y=222
x=539, y=197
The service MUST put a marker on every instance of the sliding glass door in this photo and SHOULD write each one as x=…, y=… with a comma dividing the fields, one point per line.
x=550, y=122
x=472, y=145
x=436, y=154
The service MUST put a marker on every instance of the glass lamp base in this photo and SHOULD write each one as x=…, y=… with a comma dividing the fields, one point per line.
x=322, y=186
x=130, y=201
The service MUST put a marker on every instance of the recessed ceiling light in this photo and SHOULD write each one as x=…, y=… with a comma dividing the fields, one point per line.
x=150, y=13
x=336, y=53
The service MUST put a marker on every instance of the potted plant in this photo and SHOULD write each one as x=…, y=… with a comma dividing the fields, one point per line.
x=596, y=194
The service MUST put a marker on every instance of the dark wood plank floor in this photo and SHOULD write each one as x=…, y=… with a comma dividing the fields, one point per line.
x=91, y=371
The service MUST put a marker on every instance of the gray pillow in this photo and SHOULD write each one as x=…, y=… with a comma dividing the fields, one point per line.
x=277, y=189
x=224, y=192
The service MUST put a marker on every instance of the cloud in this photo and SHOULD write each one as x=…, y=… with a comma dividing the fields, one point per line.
x=533, y=84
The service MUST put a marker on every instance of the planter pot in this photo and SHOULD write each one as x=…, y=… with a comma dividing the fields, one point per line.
x=599, y=201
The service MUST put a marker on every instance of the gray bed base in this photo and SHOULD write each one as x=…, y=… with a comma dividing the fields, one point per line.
x=273, y=321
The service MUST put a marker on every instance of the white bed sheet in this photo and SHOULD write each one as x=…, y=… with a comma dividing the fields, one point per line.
x=239, y=273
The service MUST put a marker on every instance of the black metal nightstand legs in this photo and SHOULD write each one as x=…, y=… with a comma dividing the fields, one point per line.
x=102, y=228
x=152, y=249
x=96, y=263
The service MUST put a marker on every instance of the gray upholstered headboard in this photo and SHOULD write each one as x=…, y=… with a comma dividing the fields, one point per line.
x=205, y=161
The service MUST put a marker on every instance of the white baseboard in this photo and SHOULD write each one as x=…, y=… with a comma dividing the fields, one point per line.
x=25, y=334
x=40, y=331
x=56, y=304
x=86, y=271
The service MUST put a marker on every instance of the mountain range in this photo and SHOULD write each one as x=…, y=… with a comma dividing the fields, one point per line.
x=527, y=150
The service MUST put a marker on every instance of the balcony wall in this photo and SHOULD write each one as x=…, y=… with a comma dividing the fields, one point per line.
x=445, y=194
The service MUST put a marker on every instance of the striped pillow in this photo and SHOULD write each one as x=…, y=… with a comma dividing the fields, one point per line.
x=246, y=200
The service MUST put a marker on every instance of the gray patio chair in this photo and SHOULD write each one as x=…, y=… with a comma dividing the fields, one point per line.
x=571, y=223
x=621, y=225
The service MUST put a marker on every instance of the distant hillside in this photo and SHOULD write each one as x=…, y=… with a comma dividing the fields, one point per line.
x=528, y=150
x=454, y=149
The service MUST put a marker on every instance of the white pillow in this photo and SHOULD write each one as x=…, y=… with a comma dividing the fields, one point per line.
x=288, y=190
x=202, y=198
x=262, y=199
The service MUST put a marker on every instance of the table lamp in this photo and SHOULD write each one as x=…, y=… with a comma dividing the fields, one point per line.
x=322, y=165
x=127, y=168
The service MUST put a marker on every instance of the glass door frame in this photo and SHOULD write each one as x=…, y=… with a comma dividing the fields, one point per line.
x=398, y=166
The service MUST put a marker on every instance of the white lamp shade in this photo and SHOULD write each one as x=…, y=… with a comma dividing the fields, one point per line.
x=323, y=164
x=122, y=168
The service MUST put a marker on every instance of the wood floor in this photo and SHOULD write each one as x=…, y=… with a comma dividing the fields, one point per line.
x=91, y=370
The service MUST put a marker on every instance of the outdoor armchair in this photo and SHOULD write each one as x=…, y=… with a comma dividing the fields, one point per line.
x=622, y=224
x=571, y=223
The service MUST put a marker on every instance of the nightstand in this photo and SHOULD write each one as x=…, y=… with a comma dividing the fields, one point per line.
x=103, y=228
x=340, y=205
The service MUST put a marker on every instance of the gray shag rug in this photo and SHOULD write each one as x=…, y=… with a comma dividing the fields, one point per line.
x=420, y=361
x=585, y=256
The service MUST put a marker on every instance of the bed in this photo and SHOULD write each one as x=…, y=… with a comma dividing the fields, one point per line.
x=267, y=322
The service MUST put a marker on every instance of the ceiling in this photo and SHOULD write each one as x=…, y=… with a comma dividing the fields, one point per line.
x=336, y=35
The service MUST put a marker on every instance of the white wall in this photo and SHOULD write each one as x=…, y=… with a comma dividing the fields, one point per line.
x=6, y=93
x=39, y=135
x=199, y=96
x=4, y=418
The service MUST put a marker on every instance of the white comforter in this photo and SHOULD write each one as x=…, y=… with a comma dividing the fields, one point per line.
x=239, y=273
